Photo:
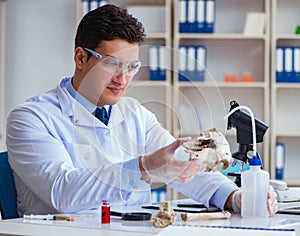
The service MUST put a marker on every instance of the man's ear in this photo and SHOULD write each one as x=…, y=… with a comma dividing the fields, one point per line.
x=80, y=57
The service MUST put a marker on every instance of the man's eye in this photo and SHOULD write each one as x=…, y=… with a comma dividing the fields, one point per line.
x=133, y=66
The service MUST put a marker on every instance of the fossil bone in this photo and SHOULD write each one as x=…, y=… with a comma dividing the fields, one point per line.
x=164, y=217
x=212, y=147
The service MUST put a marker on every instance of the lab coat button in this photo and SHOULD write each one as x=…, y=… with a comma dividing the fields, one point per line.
x=107, y=133
x=131, y=182
x=76, y=121
x=86, y=156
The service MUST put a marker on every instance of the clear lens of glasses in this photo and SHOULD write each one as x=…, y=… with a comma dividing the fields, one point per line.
x=114, y=66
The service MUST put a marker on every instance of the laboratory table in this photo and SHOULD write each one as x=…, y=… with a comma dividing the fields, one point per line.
x=89, y=223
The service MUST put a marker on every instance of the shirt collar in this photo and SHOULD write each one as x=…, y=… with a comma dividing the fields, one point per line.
x=82, y=100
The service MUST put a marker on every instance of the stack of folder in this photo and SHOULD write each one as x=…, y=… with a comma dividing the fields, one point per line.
x=196, y=16
x=192, y=63
x=287, y=64
x=89, y=5
x=157, y=62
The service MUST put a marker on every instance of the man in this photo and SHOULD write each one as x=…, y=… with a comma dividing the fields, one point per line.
x=64, y=159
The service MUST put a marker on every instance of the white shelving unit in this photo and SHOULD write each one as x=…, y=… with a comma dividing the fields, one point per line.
x=228, y=51
x=285, y=97
x=2, y=73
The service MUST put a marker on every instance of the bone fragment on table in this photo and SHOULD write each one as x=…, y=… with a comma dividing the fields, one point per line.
x=164, y=217
x=200, y=216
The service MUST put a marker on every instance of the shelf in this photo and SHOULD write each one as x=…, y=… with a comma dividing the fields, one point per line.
x=292, y=182
x=157, y=36
x=222, y=84
x=288, y=134
x=287, y=37
x=286, y=85
x=218, y=36
x=149, y=83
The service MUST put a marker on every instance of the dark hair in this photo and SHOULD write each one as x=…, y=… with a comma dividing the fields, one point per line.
x=107, y=23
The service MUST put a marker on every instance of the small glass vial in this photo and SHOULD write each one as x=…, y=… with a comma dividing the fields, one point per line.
x=105, y=212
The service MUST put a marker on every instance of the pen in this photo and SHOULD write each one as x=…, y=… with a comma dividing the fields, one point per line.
x=177, y=210
x=188, y=205
x=47, y=217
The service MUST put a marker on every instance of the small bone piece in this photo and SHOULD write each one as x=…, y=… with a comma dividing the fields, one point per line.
x=200, y=216
x=164, y=217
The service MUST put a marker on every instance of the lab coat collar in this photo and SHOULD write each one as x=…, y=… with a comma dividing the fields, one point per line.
x=70, y=107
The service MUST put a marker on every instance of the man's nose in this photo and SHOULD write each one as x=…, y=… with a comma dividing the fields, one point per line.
x=120, y=78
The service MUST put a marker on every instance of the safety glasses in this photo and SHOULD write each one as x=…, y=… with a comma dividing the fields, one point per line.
x=116, y=66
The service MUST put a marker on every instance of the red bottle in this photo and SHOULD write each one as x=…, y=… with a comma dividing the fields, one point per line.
x=105, y=210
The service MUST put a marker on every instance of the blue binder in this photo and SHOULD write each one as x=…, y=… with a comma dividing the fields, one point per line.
x=162, y=62
x=288, y=64
x=280, y=64
x=200, y=63
x=200, y=16
x=182, y=64
x=297, y=64
x=209, y=16
x=183, y=12
x=280, y=161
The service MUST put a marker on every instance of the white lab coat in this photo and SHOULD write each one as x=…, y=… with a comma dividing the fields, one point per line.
x=66, y=160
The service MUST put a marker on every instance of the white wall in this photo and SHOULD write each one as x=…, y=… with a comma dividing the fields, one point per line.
x=39, y=46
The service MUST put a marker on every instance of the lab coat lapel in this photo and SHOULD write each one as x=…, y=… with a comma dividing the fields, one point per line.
x=80, y=116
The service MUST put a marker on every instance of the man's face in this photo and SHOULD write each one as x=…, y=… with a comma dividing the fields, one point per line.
x=102, y=83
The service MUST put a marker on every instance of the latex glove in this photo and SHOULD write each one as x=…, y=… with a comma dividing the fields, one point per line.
x=272, y=203
x=163, y=165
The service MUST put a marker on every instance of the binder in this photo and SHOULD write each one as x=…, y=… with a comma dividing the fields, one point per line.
x=153, y=62
x=191, y=63
x=93, y=4
x=102, y=3
x=279, y=64
x=279, y=161
x=182, y=16
x=191, y=16
x=288, y=64
x=209, y=16
x=296, y=64
x=162, y=62
x=85, y=6
x=200, y=63
x=200, y=16
x=182, y=63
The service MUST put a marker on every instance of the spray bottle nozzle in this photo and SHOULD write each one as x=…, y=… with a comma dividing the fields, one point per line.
x=255, y=161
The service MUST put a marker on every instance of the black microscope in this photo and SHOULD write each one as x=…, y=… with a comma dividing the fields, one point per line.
x=242, y=122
